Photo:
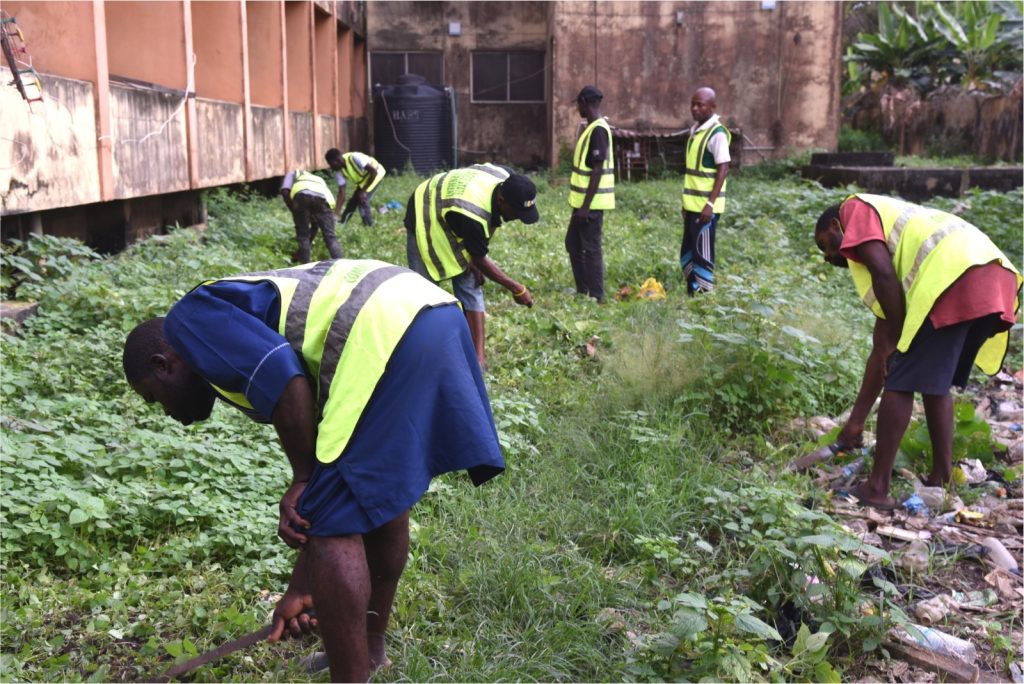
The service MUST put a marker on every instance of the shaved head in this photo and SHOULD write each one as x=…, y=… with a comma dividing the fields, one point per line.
x=706, y=94
x=702, y=104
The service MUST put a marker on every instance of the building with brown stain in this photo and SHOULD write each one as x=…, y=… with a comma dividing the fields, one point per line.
x=516, y=68
x=144, y=104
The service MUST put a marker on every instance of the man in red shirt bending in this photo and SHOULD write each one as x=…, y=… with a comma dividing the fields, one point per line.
x=944, y=296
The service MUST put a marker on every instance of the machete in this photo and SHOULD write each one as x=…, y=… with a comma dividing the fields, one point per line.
x=216, y=654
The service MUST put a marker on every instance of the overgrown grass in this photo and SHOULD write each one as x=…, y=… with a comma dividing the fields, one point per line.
x=641, y=482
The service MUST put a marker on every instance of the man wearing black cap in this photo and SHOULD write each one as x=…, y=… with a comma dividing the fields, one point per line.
x=451, y=219
x=591, y=192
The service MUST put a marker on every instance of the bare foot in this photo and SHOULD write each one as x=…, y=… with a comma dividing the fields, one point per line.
x=868, y=497
x=934, y=480
x=376, y=647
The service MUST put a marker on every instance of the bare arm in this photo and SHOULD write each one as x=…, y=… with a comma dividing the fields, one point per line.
x=721, y=171
x=870, y=385
x=885, y=285
x=294, y=418
x=490, y=269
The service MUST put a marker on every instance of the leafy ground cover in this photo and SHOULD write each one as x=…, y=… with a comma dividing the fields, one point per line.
x=644, y=529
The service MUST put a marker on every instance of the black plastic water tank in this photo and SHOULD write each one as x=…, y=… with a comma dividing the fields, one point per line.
x=412, y=121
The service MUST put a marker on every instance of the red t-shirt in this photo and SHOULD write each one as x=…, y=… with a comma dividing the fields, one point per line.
x=980, y=291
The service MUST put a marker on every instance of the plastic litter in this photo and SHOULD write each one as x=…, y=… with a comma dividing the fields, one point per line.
x=946, y=644
x=935, y=609
x=393, y=204
x=651, y=289
x=916, y=557
x=974, y=471
x=915, y=506
x=853, y=467
x=999, y=555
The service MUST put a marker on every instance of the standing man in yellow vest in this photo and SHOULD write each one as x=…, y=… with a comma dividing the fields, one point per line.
x=369, y=376
x=591, y=192
x=944, y=297
x=364, y=173
x=707, y=165
x=307, y=197
x=450, y=220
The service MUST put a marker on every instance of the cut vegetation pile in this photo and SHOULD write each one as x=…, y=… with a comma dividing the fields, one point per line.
x=646, y=527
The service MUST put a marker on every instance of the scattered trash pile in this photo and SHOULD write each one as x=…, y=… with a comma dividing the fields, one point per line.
x=957, y=551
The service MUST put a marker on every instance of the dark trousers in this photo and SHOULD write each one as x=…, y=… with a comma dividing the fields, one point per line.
x=697, y=252
x=583, y=242
x=306, y=209
x=364, y=210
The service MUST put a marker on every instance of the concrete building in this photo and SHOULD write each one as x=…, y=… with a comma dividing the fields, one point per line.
x=516, y=68
x=144, y=104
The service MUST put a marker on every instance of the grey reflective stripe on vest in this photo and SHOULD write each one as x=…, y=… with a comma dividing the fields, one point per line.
x=497, y=173
x=598, y=191
x=453, y=242
x=701, y=174
x=341, y=325
x=471, y=208
x=308, y=279
x=427, y=224
x=923, y=251
x=701, y=193
x=298, y=310
x=909, y=212
x=584, y=172
x=928, y=245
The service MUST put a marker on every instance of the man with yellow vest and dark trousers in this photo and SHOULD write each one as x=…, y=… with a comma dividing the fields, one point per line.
x=310, y=201
x=707, y=165
x=591, y=193
x=364, y=173
x=450, y=220
x=369, y=377
x=944, y=297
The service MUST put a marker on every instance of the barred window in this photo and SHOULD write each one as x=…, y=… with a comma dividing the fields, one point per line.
x=508, y=76
x=386, y=67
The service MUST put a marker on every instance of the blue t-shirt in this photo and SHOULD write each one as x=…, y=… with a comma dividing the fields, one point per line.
x=227, y=333
x=429, y=413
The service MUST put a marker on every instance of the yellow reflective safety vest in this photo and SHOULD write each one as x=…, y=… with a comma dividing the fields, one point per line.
x=930, y=251
x=356, y=176
x=465, y=191
x=579, y=181
x=310, y=182
x=344, y=319
x=699, y=175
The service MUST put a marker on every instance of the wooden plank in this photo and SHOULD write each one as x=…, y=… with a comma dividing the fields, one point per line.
x=951, y=669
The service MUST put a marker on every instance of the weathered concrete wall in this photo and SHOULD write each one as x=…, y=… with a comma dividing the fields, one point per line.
x=144, y=41
x=328, y=138
x=514, y=133
x=776, y=72
x=48, y=148
x=302, y=141
x=221, y=158
x=268, y=139
x=149, y=141
x=115, y=137
x=947, y=122
x=59, y=36
x=918, y=184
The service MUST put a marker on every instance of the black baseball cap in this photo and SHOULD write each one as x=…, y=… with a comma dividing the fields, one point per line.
x=590, y=94
x=520, y=192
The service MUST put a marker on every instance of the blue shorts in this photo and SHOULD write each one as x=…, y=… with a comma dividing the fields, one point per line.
x=464, y=286
x=428, y=415
x=939, y=358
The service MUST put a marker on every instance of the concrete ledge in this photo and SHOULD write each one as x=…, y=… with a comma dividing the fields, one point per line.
x=916, y=184
x=16, y=312
x=852, y=159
